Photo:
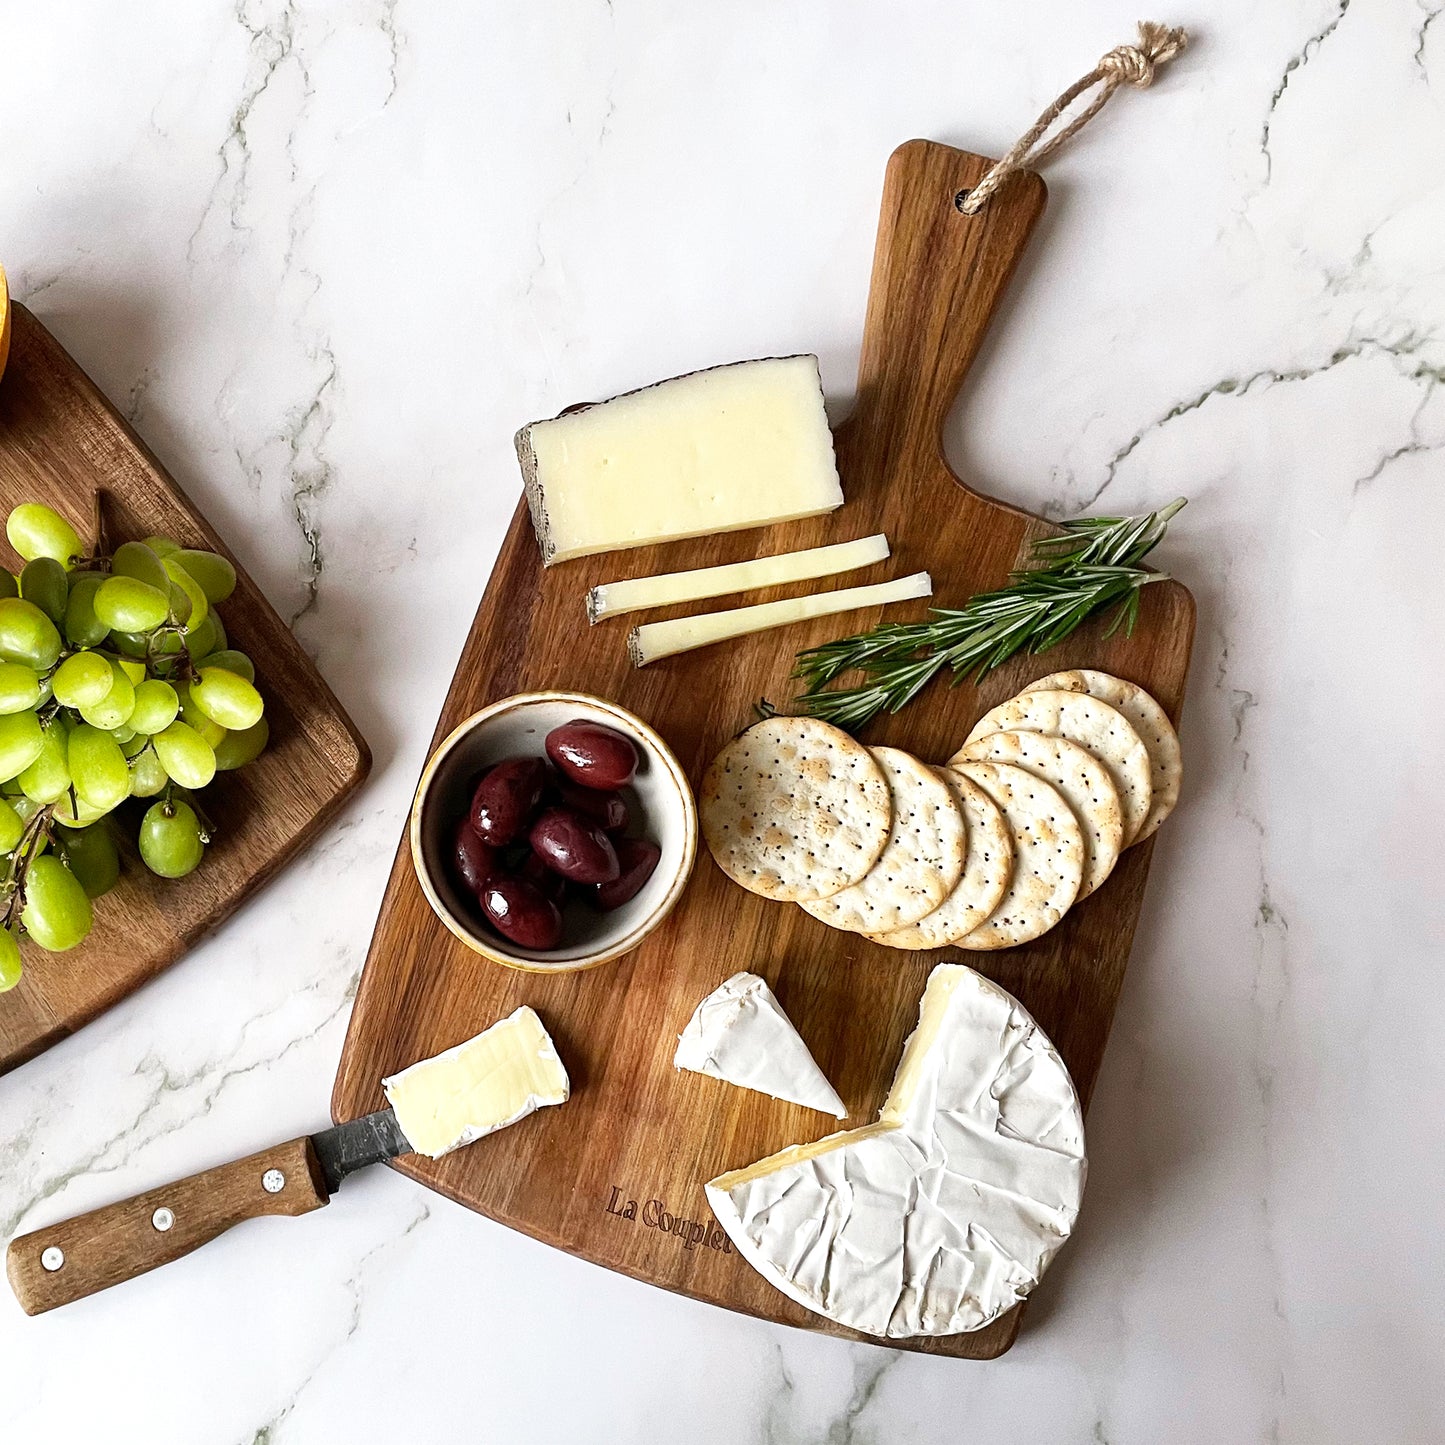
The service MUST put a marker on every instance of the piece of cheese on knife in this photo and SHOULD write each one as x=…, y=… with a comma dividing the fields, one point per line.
x=714, y=451
x=739, y=1033
x=943, y=1214
x=503, y=1074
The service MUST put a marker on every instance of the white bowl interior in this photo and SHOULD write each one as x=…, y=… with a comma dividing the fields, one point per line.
x=659, y=799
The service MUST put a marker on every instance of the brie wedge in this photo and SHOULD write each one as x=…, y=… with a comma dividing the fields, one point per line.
x=944, y=1213
x=739, y=1033
x=503, y=1074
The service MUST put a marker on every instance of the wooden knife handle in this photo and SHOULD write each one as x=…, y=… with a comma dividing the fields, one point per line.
x=91, y=1252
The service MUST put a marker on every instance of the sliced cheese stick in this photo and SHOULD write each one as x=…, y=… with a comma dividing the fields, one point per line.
x=611, y=598
x=655, y=640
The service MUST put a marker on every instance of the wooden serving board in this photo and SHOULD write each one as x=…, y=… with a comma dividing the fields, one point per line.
x=635, y=1129
x=60, y=442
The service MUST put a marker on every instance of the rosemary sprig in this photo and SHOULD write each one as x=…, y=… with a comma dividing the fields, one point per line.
x=1091, y=566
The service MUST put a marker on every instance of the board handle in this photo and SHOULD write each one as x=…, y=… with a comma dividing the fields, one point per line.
x=938, y=275
x=78, y=1257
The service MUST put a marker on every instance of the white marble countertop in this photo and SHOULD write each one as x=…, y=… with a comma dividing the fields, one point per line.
x=327, y=257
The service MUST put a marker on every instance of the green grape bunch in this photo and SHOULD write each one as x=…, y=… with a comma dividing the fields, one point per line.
x=117, y=681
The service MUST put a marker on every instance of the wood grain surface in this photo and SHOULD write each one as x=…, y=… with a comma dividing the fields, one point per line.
x=61, y=441
x=119, y=1241
x=636, y=1129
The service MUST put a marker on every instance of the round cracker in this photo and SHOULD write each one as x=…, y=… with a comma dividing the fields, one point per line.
x=921, y=862
x=1048, y=855
x=1147, y=718
x=987, y=866
x=1096, y=727
x=1080, y=777
x=795, y=809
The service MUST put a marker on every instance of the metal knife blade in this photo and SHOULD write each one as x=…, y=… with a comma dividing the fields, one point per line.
x=345, y=1148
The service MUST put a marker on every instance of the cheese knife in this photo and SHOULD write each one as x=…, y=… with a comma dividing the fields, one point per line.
x=473, y=1089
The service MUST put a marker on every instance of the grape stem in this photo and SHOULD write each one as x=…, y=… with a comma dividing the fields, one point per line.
x=38, y=827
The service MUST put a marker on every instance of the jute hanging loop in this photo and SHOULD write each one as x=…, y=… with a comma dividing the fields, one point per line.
x=1125, y=64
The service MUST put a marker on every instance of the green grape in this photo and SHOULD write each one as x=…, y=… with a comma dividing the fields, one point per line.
x=123, y=735
x=185, y=755
x=147, y=776
x=20, y=743
x=171, y=841
x=237, y=749
x=82, y=815
x=135, y=672
x=205, y=638
x=82, y=680
x=195, y=717
x=127, y=605
x=46, y=583
x=57, y=912
x=156, y=706
x=135, y=559
x=227, y=699
x=135, y=744
x=12, y=825
x=91, y=856
x=27, y=635
x=20, y=687
x=180, y=604
x=9, y=587
x=232, y=661
x=115, y=708
x=188, y=584
x=98, y=768
x=131, y=644
x=47, y=779
x=82, y=627
x=162, y=546
x=36, y=530
x=216, y=576
x=25, y=808
x=9, y=961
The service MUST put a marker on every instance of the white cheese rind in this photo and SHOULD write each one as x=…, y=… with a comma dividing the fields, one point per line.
x=740, y=1034
x=945, y=1213
x=653, y=641
x=503, y=1074
x=665, y=589
x=735, y=446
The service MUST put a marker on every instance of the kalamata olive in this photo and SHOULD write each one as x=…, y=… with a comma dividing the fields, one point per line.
x=608, y=810
x=592, y=754
x=519, y=912
x=636, y=860
x=574, y=846
x=543, y=879
x=474, y=860
x=506, y=798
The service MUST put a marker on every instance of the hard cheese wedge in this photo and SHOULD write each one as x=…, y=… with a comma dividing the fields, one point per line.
x=610, y=598
x=476, y=1088
x=715, y=451
x=655, y=640
x=739, y=1033
x=944, y=1213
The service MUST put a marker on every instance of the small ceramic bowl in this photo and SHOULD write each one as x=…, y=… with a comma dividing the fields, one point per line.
x=660, y=797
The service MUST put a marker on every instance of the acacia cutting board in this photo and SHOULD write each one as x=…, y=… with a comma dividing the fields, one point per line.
x=61, y=441
x=636, y=1131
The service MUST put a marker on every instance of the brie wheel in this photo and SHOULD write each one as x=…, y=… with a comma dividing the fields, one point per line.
x=945, y=1213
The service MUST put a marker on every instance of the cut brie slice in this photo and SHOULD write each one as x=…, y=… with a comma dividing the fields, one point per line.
x=502, y=1075
x=739, y=1033
x=944, y=1213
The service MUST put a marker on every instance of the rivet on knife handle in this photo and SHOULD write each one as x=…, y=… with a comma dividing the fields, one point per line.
x=91, y=1252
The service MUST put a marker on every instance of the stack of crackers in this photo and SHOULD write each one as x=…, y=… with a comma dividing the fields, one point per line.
x=1027, y=817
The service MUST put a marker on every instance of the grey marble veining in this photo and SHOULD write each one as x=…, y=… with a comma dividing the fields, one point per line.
x=328, y=257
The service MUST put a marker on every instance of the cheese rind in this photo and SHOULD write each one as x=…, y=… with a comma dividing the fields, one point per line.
x=943, y=1214
x=740, y=1034
x=503, y=1074
x=735, y=446
x=611, y=598
x=653, y=641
